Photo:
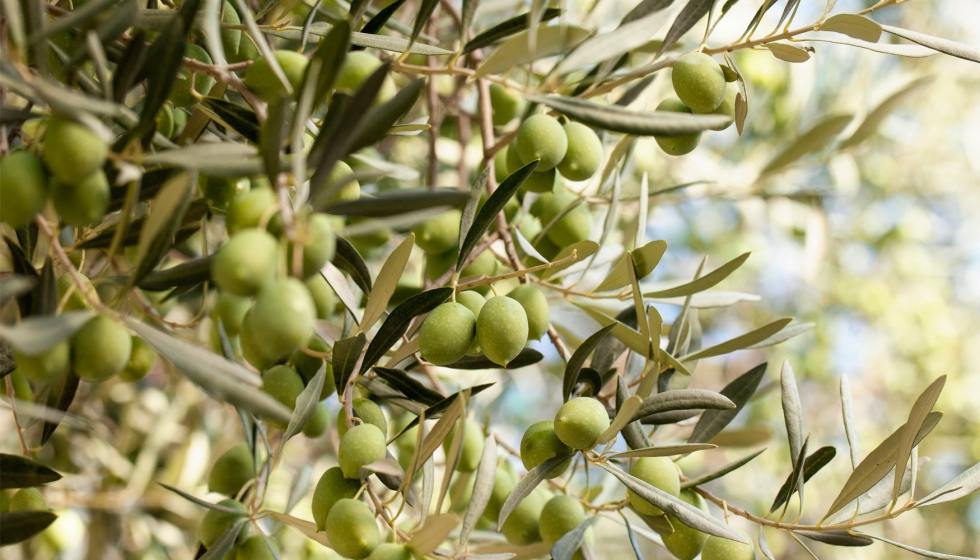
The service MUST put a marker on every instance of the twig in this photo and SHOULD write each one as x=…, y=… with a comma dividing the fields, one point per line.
x=13, y=410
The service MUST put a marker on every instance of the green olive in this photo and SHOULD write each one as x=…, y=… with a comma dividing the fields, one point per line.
x=506, y=105
x=28, y=499
x=684, y=143
x=718, y=548
x=686, y=543
x=48, y=367
x=351, y=529
x=447, y=333
x=319, y=243
x=542, y=181
x=521, y=526
x=659, y=472
x=180, y=119
x=79, y=296
x=574, y=225
x=727, y=107
x=261, y=79
x=540, y=443
x=84, y=203
x=165, y=120
x=342, y=175
x=248, y=209
x=246, y=263
x=231, y=38
x=323, y=295
x=391, y=551
x=485, y=264
x=514, y=160
x=282, y=319
x=233, y=469
x=331, y=488
x=141, y=359
x=257, y=547
x=231, y=309
x=22, y=387
x=440, y=234
x=368, y=411
x=500, y=167
x=560, y=515
x=461, y=492
x=474, y=301
x=317, y=426
x=221, y=192
x=360, y=446
x=541, y=137
x=246, y=49
x=472, y=443
x=699, y=82
x=580, y=422
x=307, y=366
x=100, y=349
x=502, y=329
x=23, y=188
x=180, y=93
x=358, y=67
x=216, y=522
x=584, y=154
x=71, y=150
x=284, y=384
x=535, y=306
x=503, y=484
x=252, y=349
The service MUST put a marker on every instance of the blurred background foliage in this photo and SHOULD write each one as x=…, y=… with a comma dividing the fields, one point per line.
x=877, y=245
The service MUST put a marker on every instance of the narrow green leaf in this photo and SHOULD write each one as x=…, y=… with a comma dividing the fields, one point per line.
x=566, y=547
x=627, y=37
x=473, y=204
x=379, y=119
x=36, y=335
x=623, y=417
x=575, y=363
x=963, y=485
x=917, y=417
x=816, y=138
x=397, y=323
x=60, y=396
x=582, y=249
x=763, y=543
x=156, y=235
x=874, y=119
x=690, y=15
x=734, y=465
x=426, y=8
x=18, y=526
x=910, y=51
x=952, y=48
x=350, y=261
x=853, y=25
x=702, y=283
x=636, y=545
x=377, y=23
x=739, y=342
x=551, y=40
x=188, y=273
x=306, y=403
x=231, y=115
x=331, y=52
x=440, y=431
x=482, y=488
x=664, y=450
x=850, y=428
x=527, y=357
x=433, y=532
x=493, y=206
x=224, y=543
x=617, y=119
x=811, y=465
x=203, y=503
x=645, y=259
x=21, y=472
x=401, y=201
x=630, y=337
x=688, y=399
x=505, y=29
x=641, y=315
x=345, y=354
x=920, y=551
x=409, y=386
x=879, y=496
x=739, y=391
x=792, y=411
x=836, y=538
x=790, y=331
x=788, y=53
x=633, y=432
x=526, y=485
x=386, y=282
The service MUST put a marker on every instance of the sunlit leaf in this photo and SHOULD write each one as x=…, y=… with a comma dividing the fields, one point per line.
x=526, y=485
x=617, y=119
x=386, y=282
x=853, y=25
x=397, y=322
x=811, y=465
x=917, y=417
x=551, y=40
x=701, y=283
x=688, y=399
x=788, y=53
x=690, y=15
x=506, y=29
x=952, y=48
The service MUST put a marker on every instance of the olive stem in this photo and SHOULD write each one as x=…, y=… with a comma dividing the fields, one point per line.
x=59, y=252
x=13, y=411
x=489, y=280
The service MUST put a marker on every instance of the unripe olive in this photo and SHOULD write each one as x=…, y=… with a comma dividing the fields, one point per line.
x=233, y=469
x=221, y=192
x=141, y=359
x=500, y=167
x=28, y=499
x=659, y=472
x=360, y=446
x=48, y=367
x=574, y=226
x=535, y=306
x=246, y=263
x=485, y=264
x=684, y=143
x=584, y=154
x=461, y=492
x=231, y=309
x=77, y=300
x=447, y=333
x=83, y=203
x=580, y=422
x=358, y=67
x=246, y=49
x=248, y=209
x=440, y=234
x=180, y=120
x=542, y=181
x=502, y=329
x=317, y=426
x=319, y=243
x=23, y=188
x=257, y=547
x=506, y=104
x=368, y=411
x=547, y=248
x=472, y=444
x=22, y=387
x=165, y=120
x=230, y=37
x=351, y=189
x=180, y=93
x=100, y=349
x=71, y=150
x=263, y=81
x=307, y=366
x=283, y=383
x=331, y=488
x=503, y=484
x=216, y=522
x=323, y=295
x=252, y=350
x=391, y=551
x=540, y=443
x=686, y=543
x=282, y=318
x=514, y=160
x=351, y=529
x=727, y=107
x=718, y=548
x=521, y=526
x=437, y=265
x=699, y=82
x=560, y=515
x=541, y=137
x=474, y=301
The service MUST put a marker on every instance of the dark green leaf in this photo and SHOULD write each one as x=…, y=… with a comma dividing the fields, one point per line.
x=466, y=18
x=706, y=478
x=566, y=547
x=189, y=225
x=273, y=134
x=617, y=119
x=239, y=118
x=816, y=461
x=345, y=354
x=506, y=29
x=44, y=297
x=952, y=48
x=795, y=480
x=645, y=8
x=473, y=203
x=494, y=205
x=21, y=472
x=157, y=234
x=203, y=503
x=116, y=21
x=836, y=538
x=331, y=53
x=377, y=23
x=350, y=261
x=60, y=396
x=397, y=323
x=189, y=273
x=739, y=391
x=687, y=399
x=409, y=386
x=18, y=526
x=400, y=201
x=526, y=485
x=690, y=15
x=527, y=357
x=133, y=58
x=575, y=363
x=15, y=115
x=83, y=15
x=436, y=410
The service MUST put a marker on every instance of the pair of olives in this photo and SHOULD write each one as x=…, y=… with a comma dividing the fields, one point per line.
x=358, y=67
x=216, y=522
x=499, y=327
x=701, y=87
x=572, y=150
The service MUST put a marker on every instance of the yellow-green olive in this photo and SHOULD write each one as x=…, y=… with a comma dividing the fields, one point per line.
x=541, y=137
x=71, y=150
x=246, y=263
x=659, y=472
x=233, y=469
x=23, y=188
x=698, y=81
x=100, y=349
x=540, y=443
x=580, y=422
x=447, y=333
x=680, y=144
x=331, y=488
x=502, y=329
x=351, y=529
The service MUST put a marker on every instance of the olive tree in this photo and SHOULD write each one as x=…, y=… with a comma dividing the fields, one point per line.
x=252, y=197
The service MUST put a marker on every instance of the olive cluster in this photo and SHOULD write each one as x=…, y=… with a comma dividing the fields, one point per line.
x=701, y=87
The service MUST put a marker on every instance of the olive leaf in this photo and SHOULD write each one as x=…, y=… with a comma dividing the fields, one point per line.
x=690, y=15
x=764, y=544
x=788, y=332
x=440, y=431
x=627, y=37
x=60, y=396
x=635, y=545
x=645, y=259
x=550, y=40
x=401, y=201
x=963, y=485
x=623, y=417
x=952, y=48
x=906, y=50
x=701, y=283
x=398, y=320
x=575, y=363
x=565, y=547
x=189, y=273
x=814, y=139
x=664, y=450
x=527, y=357
x=853, y=25
x=716, y=474
x=18, y=526
x=850, y=428
x=408, y=386
x=425, y=10
x=44, y=296
x=350, y=261
x=739, y=391
x=380, y=119
x=331, y=52
x=386, y=282
x=630, y=337
x=156, y=235
x=231, y=115
x=879, y=496
x=378, y=21
x=917, y=417
x=345, y=354
x=687, y=399
x=482, y=488
x=836, y=537
x=632, y=432
x=36, y=335
x=203, y=503
x=20, y=472
x=308, y=528
x=795, y=482
x=493, y=206
x=526, y=485
x=920, y=551
x=306, y=404
x=506, y=28
x=788, y=53
x=224, y=543
x=617, y=119
x=739, y=342
x=792, y=411
x=432, y=533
